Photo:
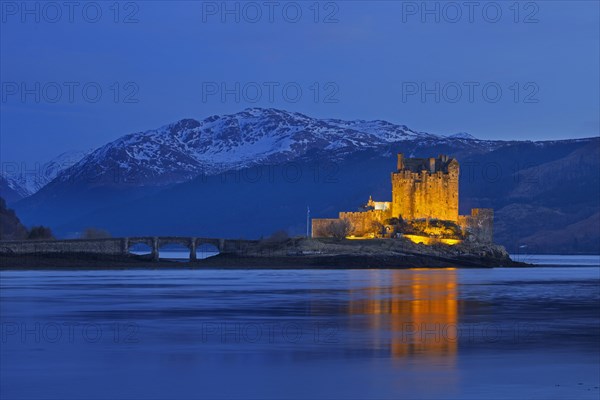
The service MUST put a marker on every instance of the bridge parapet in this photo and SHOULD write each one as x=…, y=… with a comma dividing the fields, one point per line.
x=99, y=246
x=122, y=246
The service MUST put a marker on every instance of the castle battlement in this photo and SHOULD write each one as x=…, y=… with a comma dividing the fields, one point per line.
x=442, y=163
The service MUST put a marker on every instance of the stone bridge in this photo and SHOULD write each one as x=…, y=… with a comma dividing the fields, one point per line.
x=121, y=246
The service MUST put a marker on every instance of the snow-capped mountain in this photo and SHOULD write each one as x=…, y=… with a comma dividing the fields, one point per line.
x=10, y=190
x=462, y=135
x=28, y=179
x=182, y=150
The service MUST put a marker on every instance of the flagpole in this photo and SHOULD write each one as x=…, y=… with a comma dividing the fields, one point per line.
x=307, y=221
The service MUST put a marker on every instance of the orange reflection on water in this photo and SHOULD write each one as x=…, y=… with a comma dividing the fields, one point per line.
x=415, y=311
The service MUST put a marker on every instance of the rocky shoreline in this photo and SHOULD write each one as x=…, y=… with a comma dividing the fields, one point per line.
x=299, y=253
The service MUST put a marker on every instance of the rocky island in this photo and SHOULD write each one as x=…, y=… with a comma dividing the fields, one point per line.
x=362, y=253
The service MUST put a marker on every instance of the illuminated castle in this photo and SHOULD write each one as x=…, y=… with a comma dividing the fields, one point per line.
x=422, y=189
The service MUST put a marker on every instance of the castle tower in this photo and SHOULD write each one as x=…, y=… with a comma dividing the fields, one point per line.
x=400, y=162
x=426, y=188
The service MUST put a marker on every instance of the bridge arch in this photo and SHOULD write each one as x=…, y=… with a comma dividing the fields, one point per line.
x=143, y=242
x=178, y=243
x=139, y=249
x=206, y=250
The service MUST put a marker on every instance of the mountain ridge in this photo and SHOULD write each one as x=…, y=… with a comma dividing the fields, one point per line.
x=178, y=151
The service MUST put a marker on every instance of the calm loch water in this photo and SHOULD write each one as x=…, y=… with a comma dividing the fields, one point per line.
x=445, y=333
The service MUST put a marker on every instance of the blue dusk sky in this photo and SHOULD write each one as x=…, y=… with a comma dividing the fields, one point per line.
x=77, y=78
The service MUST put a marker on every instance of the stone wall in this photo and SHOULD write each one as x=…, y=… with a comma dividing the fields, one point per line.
x=363, y=222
